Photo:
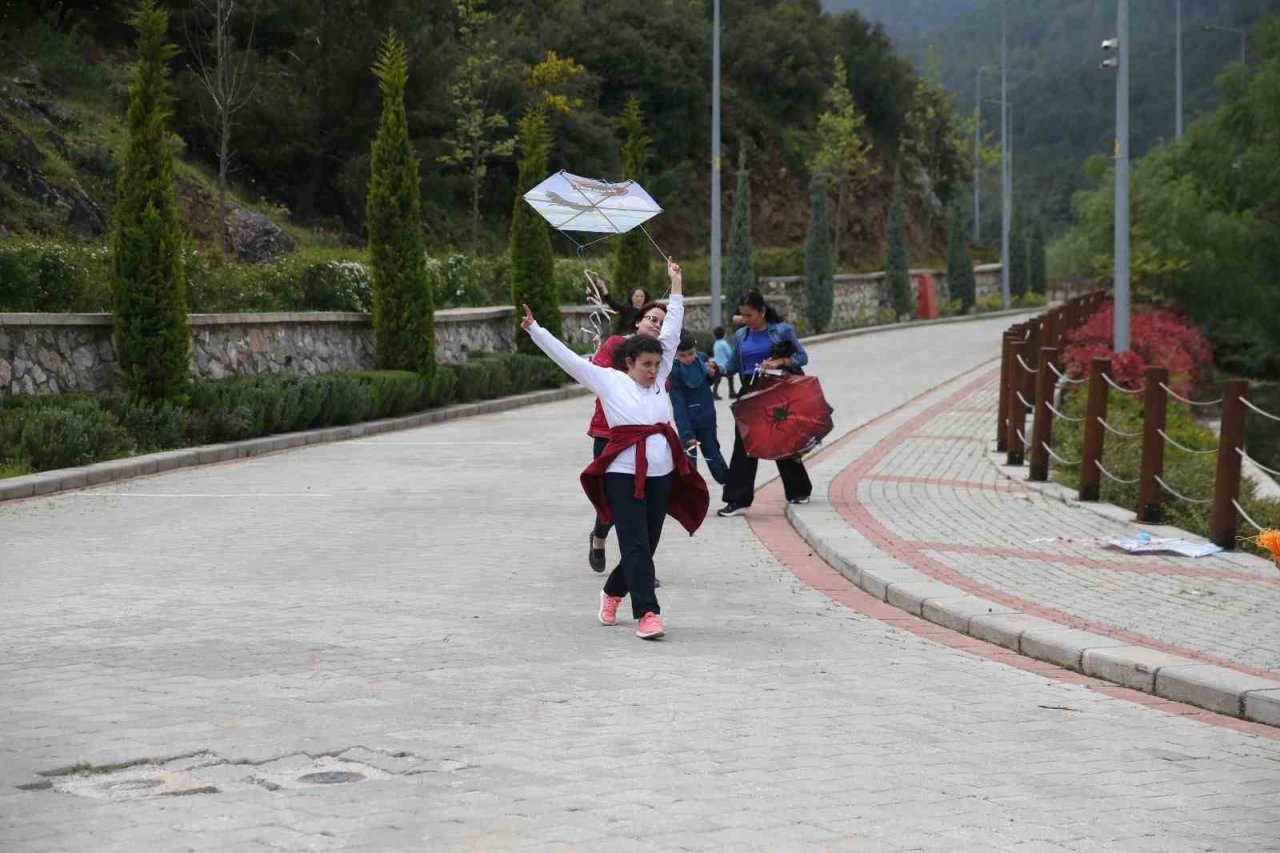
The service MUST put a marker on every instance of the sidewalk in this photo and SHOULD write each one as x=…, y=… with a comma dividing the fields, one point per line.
x=919, y=513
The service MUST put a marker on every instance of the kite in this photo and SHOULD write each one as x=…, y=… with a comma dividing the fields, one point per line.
x=572, y=203
x=784, y=419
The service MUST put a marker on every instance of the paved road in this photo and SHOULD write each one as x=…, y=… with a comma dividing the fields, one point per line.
x=415, y=608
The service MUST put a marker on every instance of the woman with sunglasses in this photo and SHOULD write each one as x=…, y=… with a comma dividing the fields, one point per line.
x=642, y=474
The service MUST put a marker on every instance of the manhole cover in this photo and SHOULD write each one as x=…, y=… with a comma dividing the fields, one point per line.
x=331, y=777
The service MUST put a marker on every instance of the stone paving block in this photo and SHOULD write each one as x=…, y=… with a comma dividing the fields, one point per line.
x=170, y=460
x=1005, y=629
x=17, y=487
x=955, y=612
x=912, y=596
x=1207, y=686
x=215, y=453
x=1130, y=666
x=1063, y=646
x=876, y=575
x=1263, y=706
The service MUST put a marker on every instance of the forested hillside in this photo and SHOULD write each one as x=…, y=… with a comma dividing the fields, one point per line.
x=302, y=141
x=1064, y=106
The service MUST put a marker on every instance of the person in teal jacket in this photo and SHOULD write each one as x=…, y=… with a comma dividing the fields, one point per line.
x=694, y=407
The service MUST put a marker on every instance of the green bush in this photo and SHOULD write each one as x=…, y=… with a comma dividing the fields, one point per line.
x=42, y=433
x=52, y=277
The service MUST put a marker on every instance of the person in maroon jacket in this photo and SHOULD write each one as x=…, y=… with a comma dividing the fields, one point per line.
x=648, y=323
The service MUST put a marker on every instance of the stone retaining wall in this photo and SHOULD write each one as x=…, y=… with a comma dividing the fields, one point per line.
x=863, y=299
x=64, y=353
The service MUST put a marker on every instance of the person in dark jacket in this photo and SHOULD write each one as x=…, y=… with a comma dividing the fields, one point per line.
x=764, y=342
x=694, y=407
x=630, y=312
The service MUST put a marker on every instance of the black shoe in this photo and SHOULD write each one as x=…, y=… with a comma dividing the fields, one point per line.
x=595, y=556
x=798, y=501
x=731, y=509
x=656, y=583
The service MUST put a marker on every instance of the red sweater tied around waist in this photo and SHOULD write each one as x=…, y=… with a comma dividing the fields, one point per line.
x=689, y=496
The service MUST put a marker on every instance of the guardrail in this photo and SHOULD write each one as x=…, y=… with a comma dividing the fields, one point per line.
x=1030, y=376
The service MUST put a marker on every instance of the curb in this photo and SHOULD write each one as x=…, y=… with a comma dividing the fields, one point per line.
x=1214, y=688
x=66, y=479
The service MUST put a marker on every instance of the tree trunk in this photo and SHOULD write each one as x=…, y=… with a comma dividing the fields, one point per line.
x=224, y=162
x=837, y=225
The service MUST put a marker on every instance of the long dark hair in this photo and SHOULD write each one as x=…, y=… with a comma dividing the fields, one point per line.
x=753, y=299
x=634, y=346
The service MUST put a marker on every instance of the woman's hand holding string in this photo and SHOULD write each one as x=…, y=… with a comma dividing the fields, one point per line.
x=676, y=276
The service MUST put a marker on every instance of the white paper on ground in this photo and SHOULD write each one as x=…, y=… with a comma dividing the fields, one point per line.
x=1149, y=545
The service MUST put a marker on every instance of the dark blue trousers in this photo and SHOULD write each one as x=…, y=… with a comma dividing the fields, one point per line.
x=639, y=525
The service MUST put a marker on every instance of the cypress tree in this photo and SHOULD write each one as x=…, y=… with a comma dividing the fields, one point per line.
x=529, y=243
x=740, y=275
x=1017, y=257
x=819, y=265
x=1036, y=262
x=896, y=271
x=403, y=313
x=631, y=267
x=961, y=282
x=148, y=284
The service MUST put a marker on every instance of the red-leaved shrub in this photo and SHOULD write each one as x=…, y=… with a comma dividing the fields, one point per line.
x=1156, y=337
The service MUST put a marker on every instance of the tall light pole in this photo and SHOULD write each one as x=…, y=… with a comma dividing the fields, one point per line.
x=1006, y=195
x=1120, y=64
x=1244, y=39
x=715, y=168
x=1177, y=69
x=977, y=158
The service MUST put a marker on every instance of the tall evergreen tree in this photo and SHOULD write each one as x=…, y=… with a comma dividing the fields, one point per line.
x=631, y=266
x=897, y=273
x=529, y=243
x=1017, y=256
x=1037, y=278
x=403, y=301
x=153, y=344
x=819, y=264
x=961, y=283
x=740, y=274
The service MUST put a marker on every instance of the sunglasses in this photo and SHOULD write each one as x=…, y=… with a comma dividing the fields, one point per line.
x=653, y=318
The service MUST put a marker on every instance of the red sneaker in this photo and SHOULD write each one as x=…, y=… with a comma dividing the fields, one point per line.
x=609, y=608
x=649, y=627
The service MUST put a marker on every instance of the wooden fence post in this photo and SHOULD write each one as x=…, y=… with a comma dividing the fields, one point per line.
x=1095, y=413
x=1016, y=414
x=1226, y=486
x=1042, y=427
x=1002, y=412
x=1154, y=411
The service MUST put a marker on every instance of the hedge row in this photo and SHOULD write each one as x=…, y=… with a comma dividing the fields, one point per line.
x=40, y=433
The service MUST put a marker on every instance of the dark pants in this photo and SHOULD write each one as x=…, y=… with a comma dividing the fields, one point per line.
x=639, y=524
x=741, y=488
x=715, y=386
x=710, y=447
x=601, y=530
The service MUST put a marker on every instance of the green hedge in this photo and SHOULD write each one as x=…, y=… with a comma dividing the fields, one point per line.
x=41, y=433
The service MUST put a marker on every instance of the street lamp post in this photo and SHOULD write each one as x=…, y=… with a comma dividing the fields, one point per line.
x=1120, y=64
x=1006, y=197
x=977, y=158
x=715, y=168
x=1244, y=38
x=1177, y=70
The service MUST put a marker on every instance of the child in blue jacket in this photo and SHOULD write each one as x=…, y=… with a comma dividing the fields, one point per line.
x=694, y=407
